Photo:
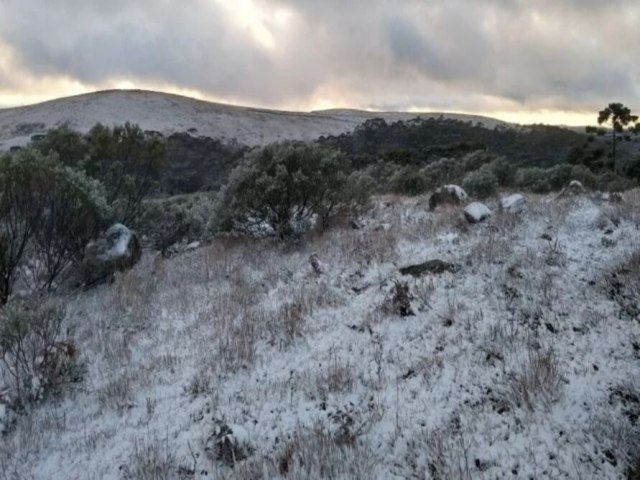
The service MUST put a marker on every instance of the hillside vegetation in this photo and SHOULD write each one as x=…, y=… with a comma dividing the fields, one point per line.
x=246, y=360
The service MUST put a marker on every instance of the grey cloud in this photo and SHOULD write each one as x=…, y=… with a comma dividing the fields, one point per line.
x=458, y=54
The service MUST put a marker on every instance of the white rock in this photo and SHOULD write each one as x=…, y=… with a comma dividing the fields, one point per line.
x=192, y=246
x=477, y=212
x=456, y=191
x=513, y=203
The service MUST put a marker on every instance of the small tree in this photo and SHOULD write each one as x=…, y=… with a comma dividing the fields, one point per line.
x=282, y=185
x=23, y=179
x=75, y=211
x=481, y=183
x=128, y=162
x=619, y=117
x=69, y=144
x=47, y=212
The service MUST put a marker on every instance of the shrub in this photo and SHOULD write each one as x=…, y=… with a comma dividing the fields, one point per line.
x=584, y=176
x=409, y=181
x=35, y=358
x=533, y=179
x=75, y=212
x=48, y=210
x=443, y=172
x=282, y=186
x=559, y=176
x=503, y=170
x=482, y=183
x=172, y=220
x=128, y=162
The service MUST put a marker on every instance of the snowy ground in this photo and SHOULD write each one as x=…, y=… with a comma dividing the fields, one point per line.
x=168, y=114
x=508, y=369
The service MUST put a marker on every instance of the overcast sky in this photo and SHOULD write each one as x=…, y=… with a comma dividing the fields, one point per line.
x=556, y=61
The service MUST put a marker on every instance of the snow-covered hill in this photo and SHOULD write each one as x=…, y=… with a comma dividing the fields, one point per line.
x=168, y=113
x=516, y=364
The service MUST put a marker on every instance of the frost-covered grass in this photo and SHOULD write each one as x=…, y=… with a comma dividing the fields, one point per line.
x=519, y=365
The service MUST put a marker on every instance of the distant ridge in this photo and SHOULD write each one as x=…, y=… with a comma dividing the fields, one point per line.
x=169, y=113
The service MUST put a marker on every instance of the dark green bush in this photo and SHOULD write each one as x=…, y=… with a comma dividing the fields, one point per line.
x=408, y=181
x=504, y=171
x=47, y=211
x=481, y=183
x=443, y=172
x=35, y=355
x=533, y=179
x=283, y=187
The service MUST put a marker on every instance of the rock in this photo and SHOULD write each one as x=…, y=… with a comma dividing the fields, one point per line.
x=229, y=444
x=316, y=264
x=430, y=266
x=356, y=225
x=513, y=203
x=547, y=237
x=574, y=188
x=448, y=194
x=192, y=246
x=117, y=249
x=615, y=197
x=476, y=212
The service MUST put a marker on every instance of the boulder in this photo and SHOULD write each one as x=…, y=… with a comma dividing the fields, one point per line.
x=476, y=212
x=615, y=197
x=228, y=444
x=430, y=266
x=574, y=188
x=513, y=203
x=117, y=249
x=316, y=264
x=448, y=194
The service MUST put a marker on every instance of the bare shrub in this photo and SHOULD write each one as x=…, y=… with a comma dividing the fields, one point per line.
x=399, y=300
x=378, y=245
x=287, y=324
x=151, y=460
x=335, y=377
x=622, y=284
x=34, y=353
x=316, y=453
x=118, y=393
x=538, y=381
x=236, y=344
x=440, y=454
x=492, y=248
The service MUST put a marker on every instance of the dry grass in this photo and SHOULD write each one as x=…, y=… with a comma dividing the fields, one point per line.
x=310, y=454
x=336, y=376
x=622, y=284
x=538, y=381
x=151, y=460
x=441, y=454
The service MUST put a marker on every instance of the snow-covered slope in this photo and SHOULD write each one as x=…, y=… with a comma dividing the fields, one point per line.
x=516, y=365
x=168, y=113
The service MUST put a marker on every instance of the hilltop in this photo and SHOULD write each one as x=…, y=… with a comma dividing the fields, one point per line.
x=168, y=113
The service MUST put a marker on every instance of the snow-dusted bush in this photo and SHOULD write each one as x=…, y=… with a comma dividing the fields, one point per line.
x=282, y=186
x=170, y=221
x=48, y=212
x=533, y=179
x=538, y=381
x=503, y=170
x=34, y=353
x=481, y=183
x=622, y=285
x=408, y=180
x=151, y=460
